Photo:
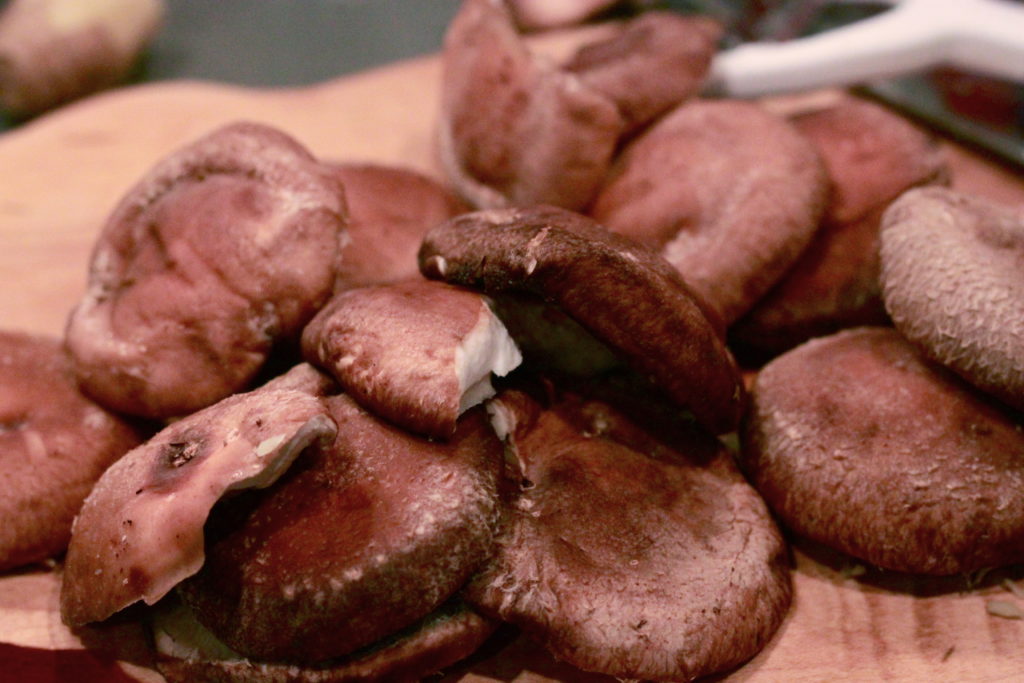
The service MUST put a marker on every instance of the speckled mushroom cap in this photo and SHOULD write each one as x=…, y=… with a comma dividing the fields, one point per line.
x=223, y=249
x=187, y=652
x=620, y=292
x=418, y=353
x=360, y=539
x=140, y=531
x=390, y=209
x=859, y=443
x=54, y=444
x=728, y=192
x=953, y=283
x=517, y=129
x=636, y=554
x=872, y=156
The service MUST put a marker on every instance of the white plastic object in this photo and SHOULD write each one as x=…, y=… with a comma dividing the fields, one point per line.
x=983, y=36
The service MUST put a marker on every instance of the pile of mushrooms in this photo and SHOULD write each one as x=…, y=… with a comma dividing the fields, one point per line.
x=353, y=421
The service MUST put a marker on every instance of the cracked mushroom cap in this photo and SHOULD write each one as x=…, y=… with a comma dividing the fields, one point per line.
x=419, y=353
x=953, y=283
x=859, y=443
x=223, y=249
x=872, y=155
x=390, y=209
x=633, y=553
x=728, y=192
x=360, y=539
x=54, y=444
x=187, y=652
x=622, y=293
x=140, y=531
x=518, y=129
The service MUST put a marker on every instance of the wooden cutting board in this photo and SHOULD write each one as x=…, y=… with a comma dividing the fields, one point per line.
x=61, y=175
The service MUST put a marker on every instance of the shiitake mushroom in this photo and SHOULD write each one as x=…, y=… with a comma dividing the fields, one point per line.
x=54, y=444
x=953, y=284
x=872, y=155
x=729, y=193
x=516, y=129
x=419, y=353
x=620, y=292
x=223, y=250
x=858, y=442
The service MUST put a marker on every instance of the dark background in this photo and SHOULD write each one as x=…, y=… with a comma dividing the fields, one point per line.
x=291, y=42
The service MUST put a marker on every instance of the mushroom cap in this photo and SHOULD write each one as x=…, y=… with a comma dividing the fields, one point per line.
x=54, y=444
x=872, y=155
x=390, y=209
x=187, y=652
x=360, y=539
x=629, y=553
x=418, y=353
x=953, y=283
x=650, y=65
x=140, y=531
x=859, y=443
x=513, y=128
x=518, y=129
x=622, y=293
x=728, y=192
x=224, y=248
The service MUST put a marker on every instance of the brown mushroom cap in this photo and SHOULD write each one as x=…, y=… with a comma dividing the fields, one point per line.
x=872, y=155
x=358, y=540
x=418, y=353
x=390, y=209
x=140, y=531
x=953, y=283
x=221, y=250
x=54, y=445
x=857, y=442
x=513, y=128
x=728, y=192
x=622, y=293
x=517, y=129
x=187, y=652
x=650, y=65
x=630, y=555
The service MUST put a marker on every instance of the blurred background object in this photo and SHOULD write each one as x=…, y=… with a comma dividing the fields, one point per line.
x=957, y=65
x=53, y=51
x=283, y=43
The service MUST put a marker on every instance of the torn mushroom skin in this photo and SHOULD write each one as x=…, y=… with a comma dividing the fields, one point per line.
x=627, y=554
x=729, y=193
x=620, y=292
x=390, y=209
x=224, y=249
x=140, y=531
x=516, y=129
x=54, y=444
x=419, y=353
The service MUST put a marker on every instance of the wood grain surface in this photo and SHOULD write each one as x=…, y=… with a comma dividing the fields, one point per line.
x=61, y=175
